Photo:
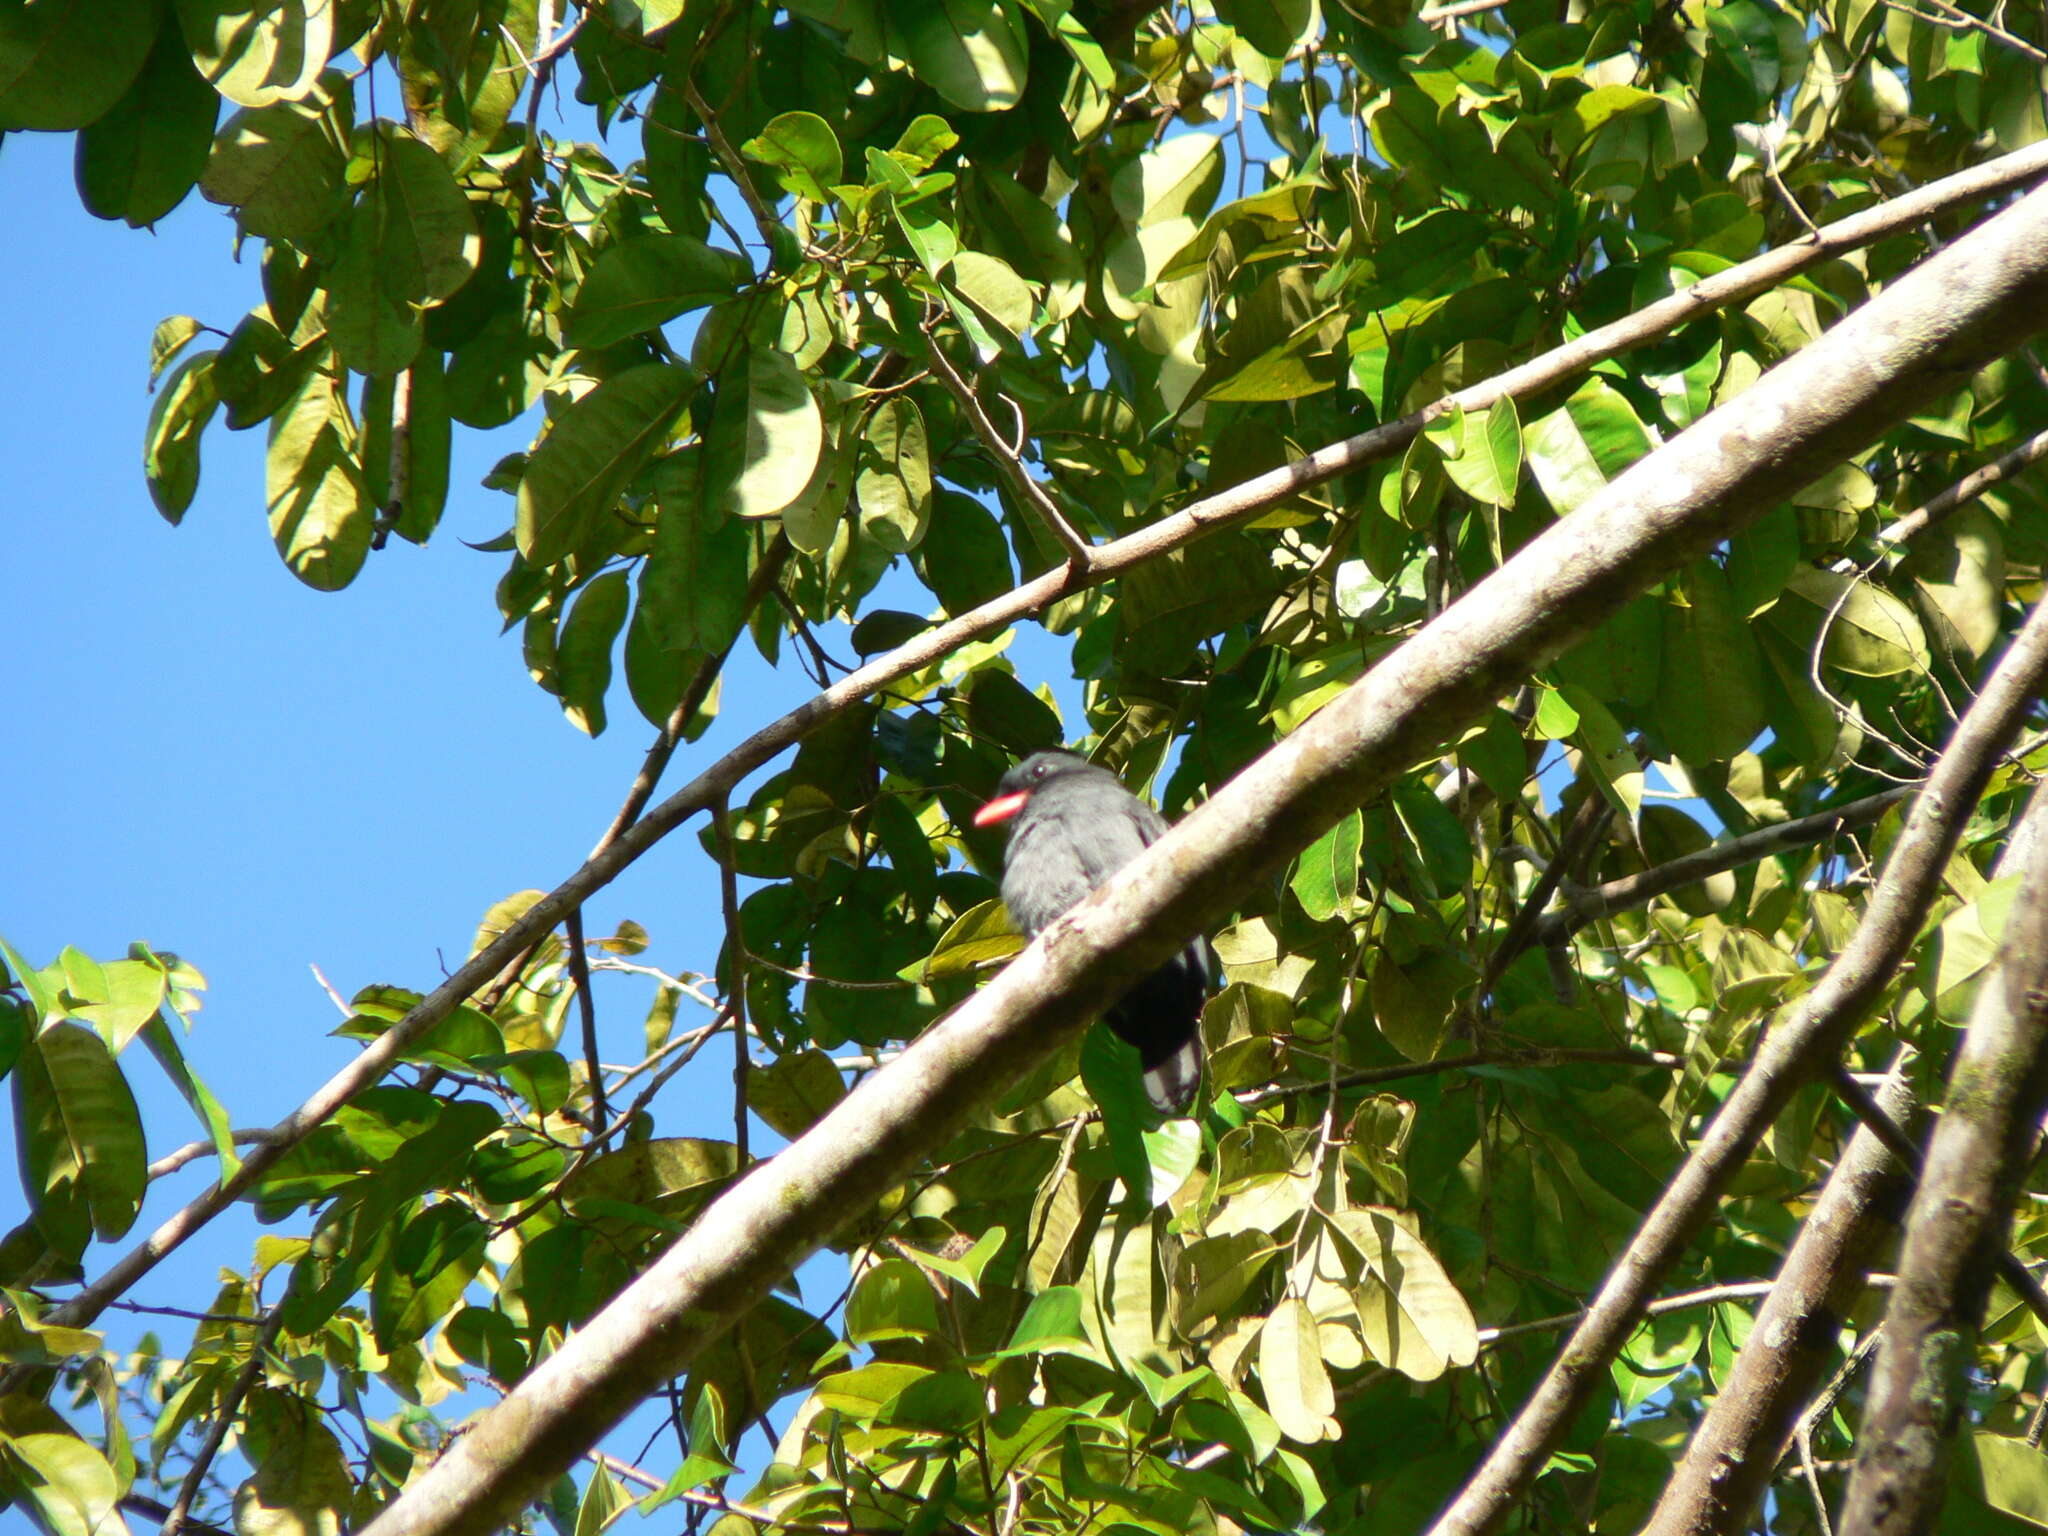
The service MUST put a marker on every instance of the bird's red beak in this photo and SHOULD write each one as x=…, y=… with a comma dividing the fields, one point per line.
x=1002, y=808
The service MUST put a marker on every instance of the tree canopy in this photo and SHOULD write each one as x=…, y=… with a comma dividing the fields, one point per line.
x=1556, y=486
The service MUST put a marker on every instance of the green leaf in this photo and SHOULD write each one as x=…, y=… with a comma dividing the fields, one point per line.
x=320, y=509
x=1489, y=460
x=301, y=1482
x=794, y=1092
x=1958, y=575
x=707, y=1457
x=70, y=1485
x=583, y=653
x=1413, y=1003
x=281, y=167
x=963, y=557
x=1442, y=850
x=255, y=52
x=765, y=436
x=411, y=241
x=576, y=474
x=1862, y=628
x=980, y=935
x=1710, y=692
x=1577, y=448
x=430, y=1266
x=1003, y=710
x=458, y=1040
x=998, y=295
x=1325, y=879
x=893, y=481
x=185, y=403
x=2005, y=1473
x=1050, y=1325
x=967, y=1269
x=65, y=63
x=1415, y=1320
x=1298, y=1392
x=804, y=151
x=138, y=161
x=416, y=481
x=79, y=1129
x=1171, y=1154
x=643, y=283
x=972, y=52
x=693, y=588
x=123, y=996
x=1609, y=756
x=1271, y=26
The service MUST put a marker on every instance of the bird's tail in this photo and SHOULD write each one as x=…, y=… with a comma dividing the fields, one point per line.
x=1171, y=1084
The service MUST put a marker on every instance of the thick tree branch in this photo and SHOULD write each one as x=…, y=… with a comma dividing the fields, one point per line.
x=1886, y=1128
x=1956, y=1226
x=1735, y=1452
x=1793, y=1052
x=1920, y=338
x=630, y=837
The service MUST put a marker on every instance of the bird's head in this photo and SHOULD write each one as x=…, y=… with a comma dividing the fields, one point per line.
x=1037, y=771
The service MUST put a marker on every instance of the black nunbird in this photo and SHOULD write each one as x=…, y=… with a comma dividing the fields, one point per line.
x=1072, y=826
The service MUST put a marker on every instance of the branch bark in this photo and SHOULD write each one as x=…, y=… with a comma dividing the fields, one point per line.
x=1735, y=1452
x=1922, y=337
x=629, y=837
x=1584, y=904
x=1956, y=1227
x=1793, y=1052
x=1967, y=489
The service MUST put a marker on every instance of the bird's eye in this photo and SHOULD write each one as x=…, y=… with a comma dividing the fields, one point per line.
x=1038, y=772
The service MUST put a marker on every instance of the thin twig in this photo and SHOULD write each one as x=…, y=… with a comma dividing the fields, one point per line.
x=1436, y=13
x=1707, y=1296
x=192, y=1151
x=1966, y=490
x=1583, y=904
x=586, y=1012
x=223, y=1419
x=736, y=980
x=1366, y=1077
x=155, y=1509
x=729, y=160
x=1009, y=460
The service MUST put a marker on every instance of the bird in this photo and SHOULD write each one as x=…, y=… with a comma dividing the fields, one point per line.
x=1072, y=825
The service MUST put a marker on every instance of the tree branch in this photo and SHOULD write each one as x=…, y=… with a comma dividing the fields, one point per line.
x=223, y=1419
x=1734, y=1454
x=586, y=1012
x=1793, y=1052
x=1707, y=1296
x=1585, y=904
x=1967, y=489
x=1919, y=338
x=1010, y=461
x=1367, y=1077
x=1956, y=1226
x=630, y=837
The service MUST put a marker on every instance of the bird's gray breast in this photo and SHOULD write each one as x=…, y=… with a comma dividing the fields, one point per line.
x=1054, y=861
